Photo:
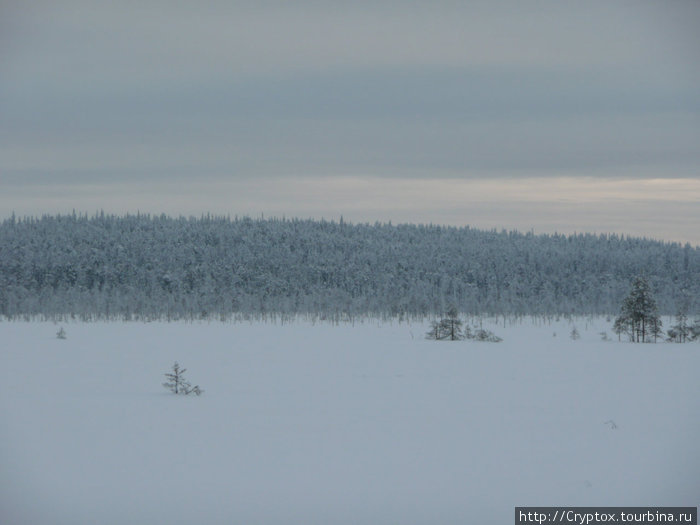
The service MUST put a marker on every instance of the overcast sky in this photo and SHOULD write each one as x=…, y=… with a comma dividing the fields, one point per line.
x=551, y=116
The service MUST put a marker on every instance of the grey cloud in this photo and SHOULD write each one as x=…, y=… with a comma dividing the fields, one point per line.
x=383, y=120
x=170, y=91
x=98, y=45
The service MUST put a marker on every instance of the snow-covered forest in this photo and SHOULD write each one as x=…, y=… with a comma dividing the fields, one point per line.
x=159, y=267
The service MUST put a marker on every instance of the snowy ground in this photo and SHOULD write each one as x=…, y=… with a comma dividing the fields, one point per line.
x=321, y=424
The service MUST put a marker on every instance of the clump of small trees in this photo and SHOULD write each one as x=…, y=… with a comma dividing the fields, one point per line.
x=639, y=316
x=683, y=331
x=450, y=328
x=177, y=383
x=485, y=335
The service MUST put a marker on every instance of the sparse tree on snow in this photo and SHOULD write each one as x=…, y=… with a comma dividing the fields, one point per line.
x=177, y=383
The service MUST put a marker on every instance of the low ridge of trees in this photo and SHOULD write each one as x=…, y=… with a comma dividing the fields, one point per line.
x=142, y=267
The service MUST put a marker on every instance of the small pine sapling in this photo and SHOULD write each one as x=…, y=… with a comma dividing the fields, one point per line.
x=177, y=383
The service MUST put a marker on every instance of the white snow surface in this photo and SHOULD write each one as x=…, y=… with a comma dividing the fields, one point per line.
x=368, y=423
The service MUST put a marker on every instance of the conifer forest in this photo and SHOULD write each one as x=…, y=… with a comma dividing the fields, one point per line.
x=146, y=267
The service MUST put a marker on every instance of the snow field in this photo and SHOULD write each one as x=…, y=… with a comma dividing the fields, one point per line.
x=370, y=423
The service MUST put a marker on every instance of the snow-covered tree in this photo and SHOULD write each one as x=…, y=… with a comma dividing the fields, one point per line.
x=655, y=328
x=620, y=326
x=639, y=315
x=449, y=328
x=681, y=331
x=434, y=332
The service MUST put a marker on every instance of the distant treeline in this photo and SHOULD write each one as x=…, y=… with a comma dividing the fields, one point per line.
x=156, y=267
